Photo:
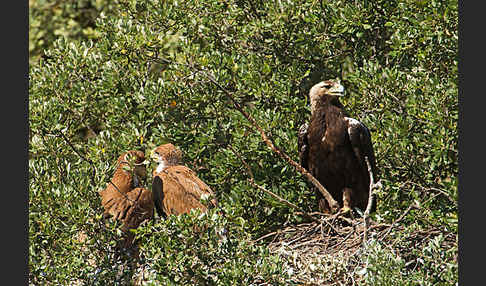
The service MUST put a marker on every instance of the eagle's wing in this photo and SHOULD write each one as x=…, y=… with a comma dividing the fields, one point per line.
x=131, y=208
x=193, y=185
x=141, y=208
x=119, y=185
x=177, y=190
x=303, y=146
x=360, y=138
x=158, y=194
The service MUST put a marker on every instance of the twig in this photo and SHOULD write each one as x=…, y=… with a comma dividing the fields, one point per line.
x=434, y=189
x=373, y=186
x=340, y=216
x=332, y=203
x=266, y=235
x=299, y=237
x=344, y=240
x=331, y=226
x=398, y=220
x=123, y=194
x=92, y=165
x=80, y=155
x=252, y=182
x=312, y=242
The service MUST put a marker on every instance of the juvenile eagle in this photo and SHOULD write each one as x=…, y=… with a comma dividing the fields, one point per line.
x=175, y=187
x=333, y=146
x=123, y=198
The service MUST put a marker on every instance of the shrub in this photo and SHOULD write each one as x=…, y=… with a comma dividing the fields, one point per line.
x=140, y=80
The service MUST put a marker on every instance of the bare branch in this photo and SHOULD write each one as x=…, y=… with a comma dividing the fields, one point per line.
x=280, y=199
x=397, y=221
x=373, y=186
x=332, y=203
x=80, y=155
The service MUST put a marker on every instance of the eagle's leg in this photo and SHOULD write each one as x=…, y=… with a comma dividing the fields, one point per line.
x=347, y=200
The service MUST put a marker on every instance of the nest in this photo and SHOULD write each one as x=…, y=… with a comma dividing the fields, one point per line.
x=333, y=250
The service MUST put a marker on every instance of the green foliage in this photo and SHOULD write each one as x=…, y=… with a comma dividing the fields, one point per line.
x=74, y=20
x=188, y=250
x=134, y=77
x=431, y=268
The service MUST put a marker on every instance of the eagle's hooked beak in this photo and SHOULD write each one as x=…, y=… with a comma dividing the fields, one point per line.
x=337, y=90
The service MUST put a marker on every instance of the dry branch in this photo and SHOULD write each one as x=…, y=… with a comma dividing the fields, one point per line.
x=373, y=186
x=93, y=175
x=332, y=203
x=397, y=221
x=252, y=182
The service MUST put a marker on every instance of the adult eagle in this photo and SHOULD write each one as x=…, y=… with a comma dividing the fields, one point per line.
x=175, y=187
x=124, y=198
x=333, y=147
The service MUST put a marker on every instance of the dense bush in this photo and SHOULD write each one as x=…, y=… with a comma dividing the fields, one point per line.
x=74, y=20
x=135, y=76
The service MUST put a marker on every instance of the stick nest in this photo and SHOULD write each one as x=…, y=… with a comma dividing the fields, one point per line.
x=332, y=251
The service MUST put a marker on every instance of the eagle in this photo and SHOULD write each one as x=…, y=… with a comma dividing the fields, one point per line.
x=124, y=199
x=176, y=188
x=333, y=147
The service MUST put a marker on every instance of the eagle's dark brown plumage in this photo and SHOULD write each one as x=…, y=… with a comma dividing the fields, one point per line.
x=333, y=146
x=175, y=187
x=123, y=198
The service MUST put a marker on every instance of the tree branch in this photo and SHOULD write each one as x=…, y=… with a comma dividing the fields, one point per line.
x=280, y=199
x=373, y=186
x=332, y=203
x=81, y=155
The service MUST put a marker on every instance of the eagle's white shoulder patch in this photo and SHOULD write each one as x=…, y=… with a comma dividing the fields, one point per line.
x=352, y=123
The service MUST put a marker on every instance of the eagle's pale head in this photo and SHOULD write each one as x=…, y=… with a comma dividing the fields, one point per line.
x=134, y=160
x=166, y=155
x=325, y=90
